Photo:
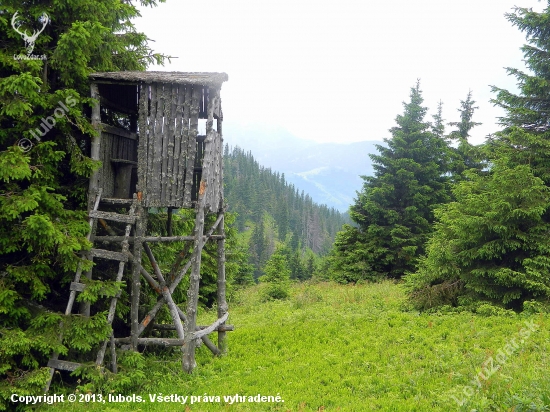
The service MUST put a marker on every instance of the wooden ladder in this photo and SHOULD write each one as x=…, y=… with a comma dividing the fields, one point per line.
x=76, y=286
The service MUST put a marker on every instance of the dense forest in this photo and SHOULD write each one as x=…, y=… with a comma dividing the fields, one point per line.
x=274, y=211
x=461, y=225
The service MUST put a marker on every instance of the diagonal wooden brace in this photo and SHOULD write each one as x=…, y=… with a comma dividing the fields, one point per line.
x=152, y=313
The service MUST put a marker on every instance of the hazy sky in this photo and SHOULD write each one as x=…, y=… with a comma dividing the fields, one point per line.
x=339, y=70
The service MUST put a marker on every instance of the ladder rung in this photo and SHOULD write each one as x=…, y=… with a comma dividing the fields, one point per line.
x=107, y=254
x=116, y=217
x=114, y=201
x=79, y=287
x=63, y=365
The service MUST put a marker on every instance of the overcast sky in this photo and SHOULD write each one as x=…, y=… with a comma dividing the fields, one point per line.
x=339, y=70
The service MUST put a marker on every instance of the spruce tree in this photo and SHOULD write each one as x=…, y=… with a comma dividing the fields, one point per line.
x=465, y=156
x=525, y=138
x=492, y=243
x=394, y=210
x=438, y=126
x=277, y=276
x=43, y=179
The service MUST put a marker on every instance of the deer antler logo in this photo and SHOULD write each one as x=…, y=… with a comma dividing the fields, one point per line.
x=29, y=40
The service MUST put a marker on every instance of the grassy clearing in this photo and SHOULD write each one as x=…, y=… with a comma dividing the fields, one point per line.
x=355, y=348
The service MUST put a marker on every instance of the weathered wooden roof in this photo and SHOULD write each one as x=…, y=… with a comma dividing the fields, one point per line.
x=199, y=78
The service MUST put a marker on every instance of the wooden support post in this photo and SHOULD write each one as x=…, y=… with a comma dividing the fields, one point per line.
x=193, y=292
x=194, y=280
x=222, y=302
x=96, y=144
x=141, y=225
x=94, y=185
x=191, y=114
x=114, y=367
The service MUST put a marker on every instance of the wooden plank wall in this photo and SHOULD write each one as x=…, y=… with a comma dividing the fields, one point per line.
x=212, y=163
x=168, y=144
x=123, y=148
x=107, y=169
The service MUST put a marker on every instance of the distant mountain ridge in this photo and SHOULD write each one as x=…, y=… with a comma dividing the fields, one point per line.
x=328, y=172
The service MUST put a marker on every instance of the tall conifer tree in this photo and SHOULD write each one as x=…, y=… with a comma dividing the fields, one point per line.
x=465, y=155
x=492, y=244
x=43, y=181
x=394, y=210
x=526, y=135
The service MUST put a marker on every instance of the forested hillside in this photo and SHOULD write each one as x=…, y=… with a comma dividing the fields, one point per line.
x=273, y=210
x=328, y=172
x=462, y=225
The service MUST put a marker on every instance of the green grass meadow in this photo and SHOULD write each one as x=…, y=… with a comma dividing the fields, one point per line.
x=358, y=348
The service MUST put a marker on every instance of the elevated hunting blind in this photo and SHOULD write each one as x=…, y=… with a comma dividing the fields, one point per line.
x=153, y=158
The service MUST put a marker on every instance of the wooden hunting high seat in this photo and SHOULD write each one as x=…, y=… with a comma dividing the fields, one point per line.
x=152, y=157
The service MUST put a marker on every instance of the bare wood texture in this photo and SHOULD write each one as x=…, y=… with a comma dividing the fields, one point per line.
x=154, y=239
x=212, y=327
x=97, y=177
x=170, y=147
x=108, y=254
x=186, y=148
x=156, y=287
x=112, y=307
x=146, y=183
x=199, y=78
x=168, y=342
x=192, y=143
x=117, y=202
x=107, y=170
x=225, y=328
x=114, y=367
x=180, y=147
x=140, y=228
x=123, y=179
x=194, y=280
x=170, y=144
x=155, y=196
x=96, y=145
x=165, y=291
x=152, y=341
x=118, y=131
x=153, y=312
x=116, y=217
x=144, y=134
x=175, y=168
x=213, y=157
x=63, y=365
x=220, y=293
x=166, y=95
x=77, y=287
